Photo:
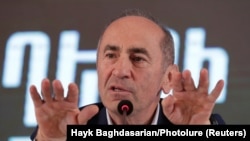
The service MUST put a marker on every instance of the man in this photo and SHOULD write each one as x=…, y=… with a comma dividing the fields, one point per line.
x=135, y=59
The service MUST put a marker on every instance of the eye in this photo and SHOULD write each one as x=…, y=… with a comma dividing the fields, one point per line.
x=110, y=55
x=137, y=59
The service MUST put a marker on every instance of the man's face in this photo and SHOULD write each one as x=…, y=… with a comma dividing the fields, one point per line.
x=130, y=64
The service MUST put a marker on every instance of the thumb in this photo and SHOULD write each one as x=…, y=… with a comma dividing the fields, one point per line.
x=87, y=113
x=168, y=105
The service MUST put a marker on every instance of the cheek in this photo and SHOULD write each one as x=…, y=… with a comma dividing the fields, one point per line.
x=100, y=73
x=150, y=82
x=103, y=73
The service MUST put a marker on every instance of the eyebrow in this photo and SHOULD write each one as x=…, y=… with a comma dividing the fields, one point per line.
x=130, y=50
x=139, y=50
x=111, y=47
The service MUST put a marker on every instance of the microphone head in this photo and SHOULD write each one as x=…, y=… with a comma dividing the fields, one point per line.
x=125, y=106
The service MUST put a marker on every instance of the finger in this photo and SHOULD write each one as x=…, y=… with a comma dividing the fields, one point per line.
x=72, y=95
x=46, y=92
x=58, y=90
x=36, y=98
x=188, y=81
x=177, y=81
x=168, y=104
x=203, y=81
x=217, y=90
x=87, y=113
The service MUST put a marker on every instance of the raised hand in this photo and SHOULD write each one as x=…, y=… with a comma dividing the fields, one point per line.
x=189, y=104
x=54, y=111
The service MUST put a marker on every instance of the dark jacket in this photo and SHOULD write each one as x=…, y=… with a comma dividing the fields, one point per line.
x=101, y=119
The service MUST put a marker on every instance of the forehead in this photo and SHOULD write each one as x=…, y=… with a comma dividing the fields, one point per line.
x=132, y=31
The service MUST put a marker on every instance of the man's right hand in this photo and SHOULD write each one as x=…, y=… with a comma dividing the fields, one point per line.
x=54, y=111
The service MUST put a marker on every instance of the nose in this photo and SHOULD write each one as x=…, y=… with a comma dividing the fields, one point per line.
x=122, y=68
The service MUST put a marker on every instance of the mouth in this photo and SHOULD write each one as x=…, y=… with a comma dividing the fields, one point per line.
x=120, y=89
x=117, y=89
x=119, y=92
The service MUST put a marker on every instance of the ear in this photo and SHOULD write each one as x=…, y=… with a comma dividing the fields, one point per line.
x=167, y=78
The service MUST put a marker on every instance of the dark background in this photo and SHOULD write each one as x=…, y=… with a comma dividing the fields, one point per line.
x=226, y=22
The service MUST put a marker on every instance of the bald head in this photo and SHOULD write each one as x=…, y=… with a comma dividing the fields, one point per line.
x=134, y=25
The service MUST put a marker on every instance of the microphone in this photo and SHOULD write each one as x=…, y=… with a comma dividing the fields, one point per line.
x=125, y=107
